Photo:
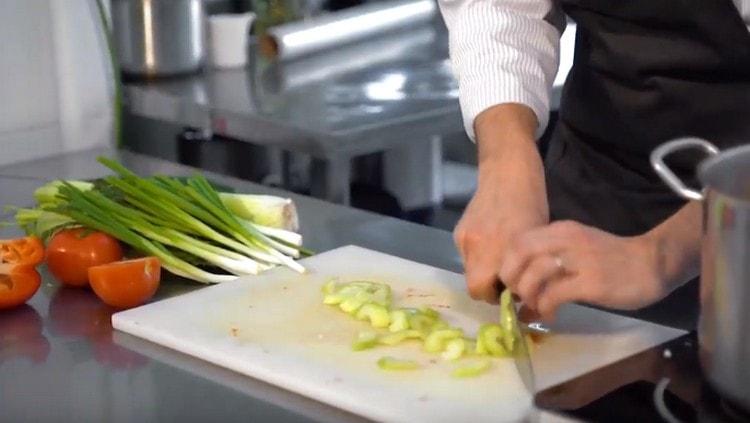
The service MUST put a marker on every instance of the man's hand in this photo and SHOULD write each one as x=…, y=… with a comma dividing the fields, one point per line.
x=510, y=197
x=567, y=261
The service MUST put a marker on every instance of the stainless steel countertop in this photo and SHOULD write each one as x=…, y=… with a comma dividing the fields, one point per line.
x=61, y=361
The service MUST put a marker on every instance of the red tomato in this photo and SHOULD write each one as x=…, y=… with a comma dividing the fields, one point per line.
x=128, y=283
x=71, y=252
x=18, y=285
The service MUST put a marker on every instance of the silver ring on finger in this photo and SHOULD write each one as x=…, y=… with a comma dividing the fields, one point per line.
x=559, y=263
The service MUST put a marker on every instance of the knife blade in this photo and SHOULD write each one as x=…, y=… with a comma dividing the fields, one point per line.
x=521, y=356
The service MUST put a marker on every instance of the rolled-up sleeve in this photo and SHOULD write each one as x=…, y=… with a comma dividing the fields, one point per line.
x=503, y=51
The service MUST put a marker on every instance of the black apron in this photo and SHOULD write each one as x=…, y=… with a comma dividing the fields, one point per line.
x=645, y=72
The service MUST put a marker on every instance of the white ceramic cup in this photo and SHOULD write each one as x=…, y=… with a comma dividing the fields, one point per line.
x=228, y=39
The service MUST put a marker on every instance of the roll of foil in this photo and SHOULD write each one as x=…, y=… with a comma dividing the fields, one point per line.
x=297, y=39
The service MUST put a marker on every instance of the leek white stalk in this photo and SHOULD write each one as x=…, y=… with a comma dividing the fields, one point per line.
x=266, y=210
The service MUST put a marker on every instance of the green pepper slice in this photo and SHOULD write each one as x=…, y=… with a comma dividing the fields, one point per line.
x=507, y=320
x=429, y=312
x=399, y=320
x=396, y=338
x=436, y=340
x=365, y=340
x=391, y=363
x=472, y=370
x=454, y=349
x=490, y=337
x=378, y=315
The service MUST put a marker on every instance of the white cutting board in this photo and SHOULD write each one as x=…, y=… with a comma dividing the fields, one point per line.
x=274, y=327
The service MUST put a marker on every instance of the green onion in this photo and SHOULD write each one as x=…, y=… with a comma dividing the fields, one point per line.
x=183, y=222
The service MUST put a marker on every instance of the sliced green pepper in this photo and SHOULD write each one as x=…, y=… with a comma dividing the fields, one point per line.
x=479, y=347
x=333, y=298
x=507, y=320
x=429, y=312
x=440, y=324
x=399, y=320
x=382, y=295
x=472, y=370
x=490, y=337
x=436, y=340
x=391, y=363
x=378, y=315
x=342, y=293
x=365, y=340
x=396, y=338
x=454, y=349
x=329, y=287
x=421, y=322
x=351, y=304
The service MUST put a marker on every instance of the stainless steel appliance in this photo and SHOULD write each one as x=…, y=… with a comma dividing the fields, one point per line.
x=159, y=37
x=724, y=329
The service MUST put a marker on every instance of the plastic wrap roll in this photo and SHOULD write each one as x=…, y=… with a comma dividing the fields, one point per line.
x=334, y=63
x=297, y=39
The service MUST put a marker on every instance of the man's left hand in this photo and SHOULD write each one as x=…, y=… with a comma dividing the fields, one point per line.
x=567, y=261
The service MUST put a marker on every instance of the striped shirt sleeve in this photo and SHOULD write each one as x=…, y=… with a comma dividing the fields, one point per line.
x=503, y=51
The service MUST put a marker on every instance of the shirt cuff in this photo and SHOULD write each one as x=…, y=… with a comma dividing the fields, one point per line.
x=475, y=100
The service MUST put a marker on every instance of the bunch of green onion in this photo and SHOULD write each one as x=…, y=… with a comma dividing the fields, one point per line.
x=185, y=223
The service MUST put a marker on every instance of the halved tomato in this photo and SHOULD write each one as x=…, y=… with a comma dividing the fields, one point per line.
x=126, y=284
x=71, y=252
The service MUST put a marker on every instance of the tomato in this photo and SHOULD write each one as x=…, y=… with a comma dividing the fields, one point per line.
x=127, y=283
x=71, y=252
x=18, y=285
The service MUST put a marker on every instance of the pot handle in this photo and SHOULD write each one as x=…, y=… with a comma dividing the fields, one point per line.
x=666, y=174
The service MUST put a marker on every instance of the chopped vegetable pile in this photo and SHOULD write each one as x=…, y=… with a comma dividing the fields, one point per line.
x=371, y=302
x=194, y=231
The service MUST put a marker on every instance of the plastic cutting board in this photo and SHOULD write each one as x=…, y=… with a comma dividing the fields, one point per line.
x=274, y=327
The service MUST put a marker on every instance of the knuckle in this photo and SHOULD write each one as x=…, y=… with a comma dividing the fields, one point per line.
x=567, y=226
x=519, y=244
x=458, y=237
x=480, y=286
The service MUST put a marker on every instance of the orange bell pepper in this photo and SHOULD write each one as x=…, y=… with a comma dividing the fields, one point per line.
x=19, y=279
x=28, y=250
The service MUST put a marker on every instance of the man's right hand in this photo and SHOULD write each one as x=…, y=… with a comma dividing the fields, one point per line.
x=510, y=198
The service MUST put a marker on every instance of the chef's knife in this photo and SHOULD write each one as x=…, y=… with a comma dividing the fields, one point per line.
x=521, y=357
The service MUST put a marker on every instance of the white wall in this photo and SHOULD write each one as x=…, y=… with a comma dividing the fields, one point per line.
x=55, y=79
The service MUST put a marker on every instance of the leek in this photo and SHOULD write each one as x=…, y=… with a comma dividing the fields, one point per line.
x=266, y=210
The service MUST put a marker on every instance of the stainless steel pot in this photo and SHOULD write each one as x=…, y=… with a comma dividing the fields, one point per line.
x=724, y=328
x=159, y=37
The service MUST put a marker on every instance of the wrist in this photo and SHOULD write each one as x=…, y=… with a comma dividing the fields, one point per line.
x=651, y=253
